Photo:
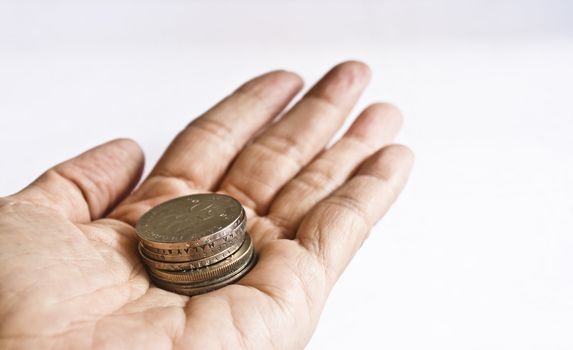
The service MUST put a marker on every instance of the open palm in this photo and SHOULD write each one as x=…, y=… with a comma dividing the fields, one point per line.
x=70, y=276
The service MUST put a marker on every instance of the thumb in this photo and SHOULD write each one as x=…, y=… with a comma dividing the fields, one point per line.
x=86, y=187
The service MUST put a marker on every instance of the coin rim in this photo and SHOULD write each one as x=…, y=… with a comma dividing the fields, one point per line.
x=210, y=272
x=165, y=262
x=197, y=289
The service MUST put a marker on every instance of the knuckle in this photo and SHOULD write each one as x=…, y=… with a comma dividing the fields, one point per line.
x=285, y=146
x=317, y=179
x=215, y=129
x=352, y=205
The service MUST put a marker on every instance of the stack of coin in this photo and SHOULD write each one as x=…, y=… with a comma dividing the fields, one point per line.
x=194, y=244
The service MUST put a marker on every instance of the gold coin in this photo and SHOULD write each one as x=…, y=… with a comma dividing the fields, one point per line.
x=193, y=220
x=235, y=262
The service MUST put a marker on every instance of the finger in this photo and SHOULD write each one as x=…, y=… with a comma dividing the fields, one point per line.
x=201, y=153
x=84, y=188
x=288, y=145
x=336, y=227
x=374, y=128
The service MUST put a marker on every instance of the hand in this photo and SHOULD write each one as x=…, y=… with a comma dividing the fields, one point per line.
x=70, y=276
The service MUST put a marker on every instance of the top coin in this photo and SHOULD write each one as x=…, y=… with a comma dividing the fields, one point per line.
x=190, y=220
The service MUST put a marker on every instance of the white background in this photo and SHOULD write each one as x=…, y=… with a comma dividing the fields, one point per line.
x=477, y=253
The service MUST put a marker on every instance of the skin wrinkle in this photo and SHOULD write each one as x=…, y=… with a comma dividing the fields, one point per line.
x=91, y=233
x=101, y=180
x=347, y=202
x=190, y=184
x=88, y=186
x=123, y=236
x=282, y=303
x=179, y=335
x=18, y=339
x=172, y=183
x=96, y=181
x=93, y=336
x=155, y=308
x=152, y=322
x=245, y=198
x=216, y=129
x=260, y=232
x=257, y=176
x=315, y=179
x=169, y=336
x=386, y=186
x=276, y=296
x=9, y=306
x=44, y=267
x=84, y=180
x=284, y=146
x=122, y=284
x=189, y=315
x=47, y=202
x=107, y=165
x=177, y=308
x=76, y=186
x=94, y=323
x=304, y=287
x=267, y=330
x=94, y=292
x=266, y=297
x=241, y=336
x=67, y=261
x=322, y=103
x=34, y=254
x=318, y=261
x=361, y=143
x=280, y=225
x=69, y=329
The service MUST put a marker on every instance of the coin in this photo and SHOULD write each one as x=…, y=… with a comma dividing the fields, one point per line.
x=176, y=262
x=197, y=252
x=196, y=289
x=234, y=262
x=189, y=221
x=194, y=244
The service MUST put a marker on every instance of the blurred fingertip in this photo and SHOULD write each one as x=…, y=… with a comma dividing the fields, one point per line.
x=398, y=153
x=273, y=84
x=393, y=161
x=129, y=149
x=353, y=68
x=378, y=124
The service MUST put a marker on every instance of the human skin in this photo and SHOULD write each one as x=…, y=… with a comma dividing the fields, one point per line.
x=70, y=276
